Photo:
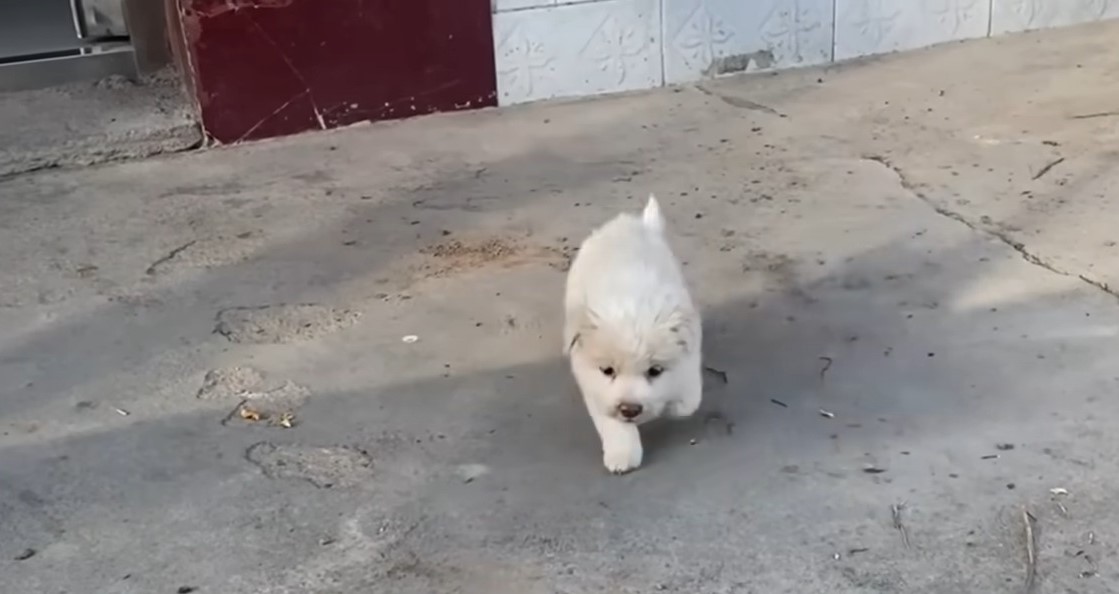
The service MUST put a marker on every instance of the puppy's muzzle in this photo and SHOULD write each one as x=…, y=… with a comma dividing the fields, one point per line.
x=630, y=411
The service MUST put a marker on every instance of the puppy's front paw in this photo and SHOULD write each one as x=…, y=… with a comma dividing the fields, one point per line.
x=622, y=453
x=621, y=461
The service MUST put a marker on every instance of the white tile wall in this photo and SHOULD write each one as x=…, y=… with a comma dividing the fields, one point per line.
x=754, y=34
x=1020, y=15
x=578, y=49
x=568, y=48
x=866, y=27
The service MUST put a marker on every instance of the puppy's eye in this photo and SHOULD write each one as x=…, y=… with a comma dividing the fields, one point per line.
x=654, y=371
x=607, y=371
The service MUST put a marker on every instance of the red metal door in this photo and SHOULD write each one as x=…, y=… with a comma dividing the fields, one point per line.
x=263, y=68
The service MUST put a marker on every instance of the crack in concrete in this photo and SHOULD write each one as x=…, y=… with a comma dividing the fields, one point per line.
x=1014, y=244
x=739, y=102
x=154, y=268
x=1048, y=166
x=83, y=159
x=1088, y=116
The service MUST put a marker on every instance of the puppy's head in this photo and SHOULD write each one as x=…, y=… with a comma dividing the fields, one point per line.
x=633, y=363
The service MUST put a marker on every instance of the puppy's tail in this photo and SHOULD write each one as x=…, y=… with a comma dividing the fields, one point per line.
x=652, y=217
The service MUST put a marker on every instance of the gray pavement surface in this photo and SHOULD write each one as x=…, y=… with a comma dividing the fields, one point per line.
x=921, y=245
x=88, y=123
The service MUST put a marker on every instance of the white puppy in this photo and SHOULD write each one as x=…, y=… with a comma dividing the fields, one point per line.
x=632, y=333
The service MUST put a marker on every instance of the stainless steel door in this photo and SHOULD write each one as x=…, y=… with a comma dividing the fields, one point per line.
x=37, y=28
x=51, y=42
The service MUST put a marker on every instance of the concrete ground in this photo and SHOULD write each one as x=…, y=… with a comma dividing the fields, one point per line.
x=920, y=245
x=87, y=123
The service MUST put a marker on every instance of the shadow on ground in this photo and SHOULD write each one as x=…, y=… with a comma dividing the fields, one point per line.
x=492, y=479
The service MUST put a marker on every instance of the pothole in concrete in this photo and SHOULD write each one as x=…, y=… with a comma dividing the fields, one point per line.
x=258, y=401
x=563, y=256
x=324, y=467
x=279, y=324
x=275, y=407
x=229, y=382
x=456, y=256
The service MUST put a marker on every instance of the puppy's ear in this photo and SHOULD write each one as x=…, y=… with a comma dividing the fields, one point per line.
x=583, y=323
x=571, y=344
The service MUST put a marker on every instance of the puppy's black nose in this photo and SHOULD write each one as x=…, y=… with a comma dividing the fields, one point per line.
x=630, y=411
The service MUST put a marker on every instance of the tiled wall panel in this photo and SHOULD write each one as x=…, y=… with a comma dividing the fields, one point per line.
x=867, y=27
x=577, y=49
x=710, y=37
x=567, y=48
x=1008, y=16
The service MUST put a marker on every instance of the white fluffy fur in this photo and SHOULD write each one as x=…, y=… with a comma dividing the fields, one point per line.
x=627, y=310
